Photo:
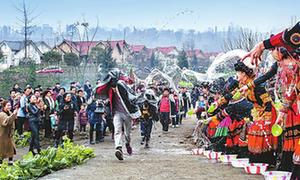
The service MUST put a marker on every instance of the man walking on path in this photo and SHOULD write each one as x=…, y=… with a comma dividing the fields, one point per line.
x=123, y=106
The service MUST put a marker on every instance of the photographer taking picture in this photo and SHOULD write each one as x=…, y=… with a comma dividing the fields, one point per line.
x=96, y=119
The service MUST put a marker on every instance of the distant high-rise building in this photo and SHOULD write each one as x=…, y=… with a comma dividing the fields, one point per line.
x=47, y=29
x=71, y=31
x=6, y=31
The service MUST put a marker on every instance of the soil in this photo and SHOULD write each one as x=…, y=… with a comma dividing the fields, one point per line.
x=169, y=157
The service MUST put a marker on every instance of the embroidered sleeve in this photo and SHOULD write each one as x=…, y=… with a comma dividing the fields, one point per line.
x=289, y=39
x=267, y=101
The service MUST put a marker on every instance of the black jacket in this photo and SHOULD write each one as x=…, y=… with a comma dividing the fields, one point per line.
x=33, y=112
x=48, y=109
x=80, y=102
x=67, y=110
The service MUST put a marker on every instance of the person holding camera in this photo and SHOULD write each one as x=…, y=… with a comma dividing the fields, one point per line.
x=66, y=113
x=96, y=118
x=34, y=118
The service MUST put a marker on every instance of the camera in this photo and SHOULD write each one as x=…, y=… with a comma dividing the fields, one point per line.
x=100, y=107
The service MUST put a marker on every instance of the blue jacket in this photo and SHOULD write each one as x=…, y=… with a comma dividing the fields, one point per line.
x=92, y=116
x=22, y=111
x=33, y=113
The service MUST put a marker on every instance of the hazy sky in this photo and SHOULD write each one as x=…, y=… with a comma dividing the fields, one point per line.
x=262, y=15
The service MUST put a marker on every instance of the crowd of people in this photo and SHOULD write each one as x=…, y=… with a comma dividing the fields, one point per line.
x=238, y=113
x=242, y=118
x=115, y=105
x=147, y=103
x=51, y=112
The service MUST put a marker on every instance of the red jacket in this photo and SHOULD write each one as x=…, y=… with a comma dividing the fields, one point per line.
x=83, y=117
x=165, y=104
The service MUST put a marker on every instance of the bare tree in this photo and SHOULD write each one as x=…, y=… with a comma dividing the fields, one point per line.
x=26, y=22
x=90, y=41
x=245, y=40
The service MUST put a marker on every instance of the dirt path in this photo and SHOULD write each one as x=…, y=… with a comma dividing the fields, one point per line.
x=168, y=158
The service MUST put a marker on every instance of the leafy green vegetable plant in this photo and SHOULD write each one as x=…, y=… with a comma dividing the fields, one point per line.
x=50, y=159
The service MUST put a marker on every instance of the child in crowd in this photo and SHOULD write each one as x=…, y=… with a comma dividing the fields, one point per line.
x=83, y=118
x=148, y=109
x=200, y=107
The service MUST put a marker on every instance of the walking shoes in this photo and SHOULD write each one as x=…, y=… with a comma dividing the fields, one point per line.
x=119, y=154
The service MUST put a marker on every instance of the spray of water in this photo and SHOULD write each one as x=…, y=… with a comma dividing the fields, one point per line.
x=162, y=76
x=221, y=59
x=222, y=66
x=189, y=73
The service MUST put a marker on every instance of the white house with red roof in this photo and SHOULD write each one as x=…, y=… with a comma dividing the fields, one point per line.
x=81, y=48
x=14, y=51
x=166, y=53
x=199, y=54
x=139, y=54
x=120, y=49
x=137, y=48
